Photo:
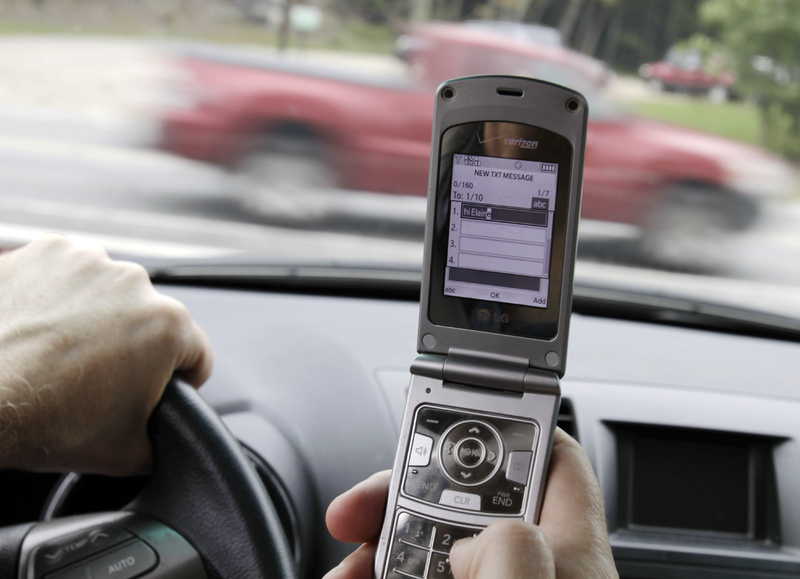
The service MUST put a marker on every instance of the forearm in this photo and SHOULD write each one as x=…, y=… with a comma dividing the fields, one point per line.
x=71, y=401
x=18, y=398
x=28, y=407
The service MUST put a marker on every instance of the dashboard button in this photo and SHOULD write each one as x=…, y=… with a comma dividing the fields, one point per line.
x=127, y=562
x=76, y=546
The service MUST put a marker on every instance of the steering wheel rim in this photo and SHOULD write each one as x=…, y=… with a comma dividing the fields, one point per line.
x=220, y=505
x=203, y=491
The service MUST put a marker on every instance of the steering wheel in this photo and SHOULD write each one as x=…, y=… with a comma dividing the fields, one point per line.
x=203, y=513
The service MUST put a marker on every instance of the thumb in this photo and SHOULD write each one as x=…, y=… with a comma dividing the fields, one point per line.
x=506, y=550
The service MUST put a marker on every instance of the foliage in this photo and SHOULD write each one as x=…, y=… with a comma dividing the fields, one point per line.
x=714, y=55
x=624, y=33
x=764, y=37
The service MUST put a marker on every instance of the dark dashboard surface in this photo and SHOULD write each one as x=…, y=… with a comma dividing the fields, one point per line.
x=692, y=433
x=316, y=386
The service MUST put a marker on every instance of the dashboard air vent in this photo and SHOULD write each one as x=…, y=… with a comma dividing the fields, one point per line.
x=566, y=418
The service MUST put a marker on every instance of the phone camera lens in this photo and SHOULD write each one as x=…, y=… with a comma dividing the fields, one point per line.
x=573, y=105
x=448, y=93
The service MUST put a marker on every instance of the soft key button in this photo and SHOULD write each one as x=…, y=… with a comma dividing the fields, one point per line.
x=519, y=464
x=132, y=560
x=67, y=550
x=421, y=449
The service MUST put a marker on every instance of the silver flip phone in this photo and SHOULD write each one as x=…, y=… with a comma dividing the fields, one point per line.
x=500, y=240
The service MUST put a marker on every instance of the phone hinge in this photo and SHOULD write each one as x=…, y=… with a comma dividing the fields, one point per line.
x=542, y=381
x=429, y=365
x=488, y=371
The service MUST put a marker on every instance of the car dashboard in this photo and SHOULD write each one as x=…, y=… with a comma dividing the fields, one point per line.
x=692, y=433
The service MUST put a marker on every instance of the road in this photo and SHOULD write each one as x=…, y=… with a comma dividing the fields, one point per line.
x=76, y=157
x=145, y=203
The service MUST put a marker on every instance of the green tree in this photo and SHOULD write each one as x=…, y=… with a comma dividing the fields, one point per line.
x=764, y=38
x=624, y=33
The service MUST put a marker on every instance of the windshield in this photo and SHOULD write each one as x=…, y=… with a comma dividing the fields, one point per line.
x=232, y=135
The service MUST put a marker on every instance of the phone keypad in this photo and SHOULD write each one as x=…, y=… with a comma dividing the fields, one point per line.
x=470, y=462
x=421, y=547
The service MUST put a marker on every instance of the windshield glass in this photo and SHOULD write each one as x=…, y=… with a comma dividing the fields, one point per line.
x=296, y=133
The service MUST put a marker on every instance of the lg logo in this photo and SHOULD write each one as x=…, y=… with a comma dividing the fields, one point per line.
x=485, y=316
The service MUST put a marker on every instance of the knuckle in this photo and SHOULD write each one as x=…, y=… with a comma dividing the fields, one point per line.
x=52, y=239
x=91, y=252
x=172, y=315
x=133, y=271
x=48, y=243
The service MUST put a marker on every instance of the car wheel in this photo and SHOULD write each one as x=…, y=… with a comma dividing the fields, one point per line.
x=203, y=513
x=718, y=94
x=656, y=84
x=690, y=229
x=286, y=176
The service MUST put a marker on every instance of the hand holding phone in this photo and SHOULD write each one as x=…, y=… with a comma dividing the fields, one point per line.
x=500, y=241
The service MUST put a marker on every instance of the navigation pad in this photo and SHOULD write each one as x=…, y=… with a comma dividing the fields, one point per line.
x=470, y=452
x=470, y=462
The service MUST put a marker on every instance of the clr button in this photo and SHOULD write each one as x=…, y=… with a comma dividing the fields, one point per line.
x=459, y=500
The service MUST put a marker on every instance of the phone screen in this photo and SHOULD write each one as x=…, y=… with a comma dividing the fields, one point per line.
x=501, y=229
x=501, y=212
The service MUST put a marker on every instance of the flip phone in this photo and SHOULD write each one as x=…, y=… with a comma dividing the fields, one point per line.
x=500, y=241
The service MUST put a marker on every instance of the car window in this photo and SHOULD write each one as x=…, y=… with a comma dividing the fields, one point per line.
x=292, y=134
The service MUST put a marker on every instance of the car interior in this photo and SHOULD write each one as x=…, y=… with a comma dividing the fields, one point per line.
x=681, y=382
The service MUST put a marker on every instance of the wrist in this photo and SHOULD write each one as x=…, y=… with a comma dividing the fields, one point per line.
x=12, y=409
x=24, y=420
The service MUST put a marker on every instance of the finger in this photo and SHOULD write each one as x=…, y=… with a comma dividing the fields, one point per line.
x=357, y=515
x=573, y=495
x=174, y=325
x=505, y=550
x=357, y=565
x=573, y=514
x=196, y=361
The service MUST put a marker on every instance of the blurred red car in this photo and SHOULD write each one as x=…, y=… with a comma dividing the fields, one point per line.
x=290, y=124
x=685, y=71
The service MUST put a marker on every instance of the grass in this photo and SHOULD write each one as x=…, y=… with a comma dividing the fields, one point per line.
x=734, y=120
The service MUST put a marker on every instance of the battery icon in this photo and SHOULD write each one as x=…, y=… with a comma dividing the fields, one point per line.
x=549, y=167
